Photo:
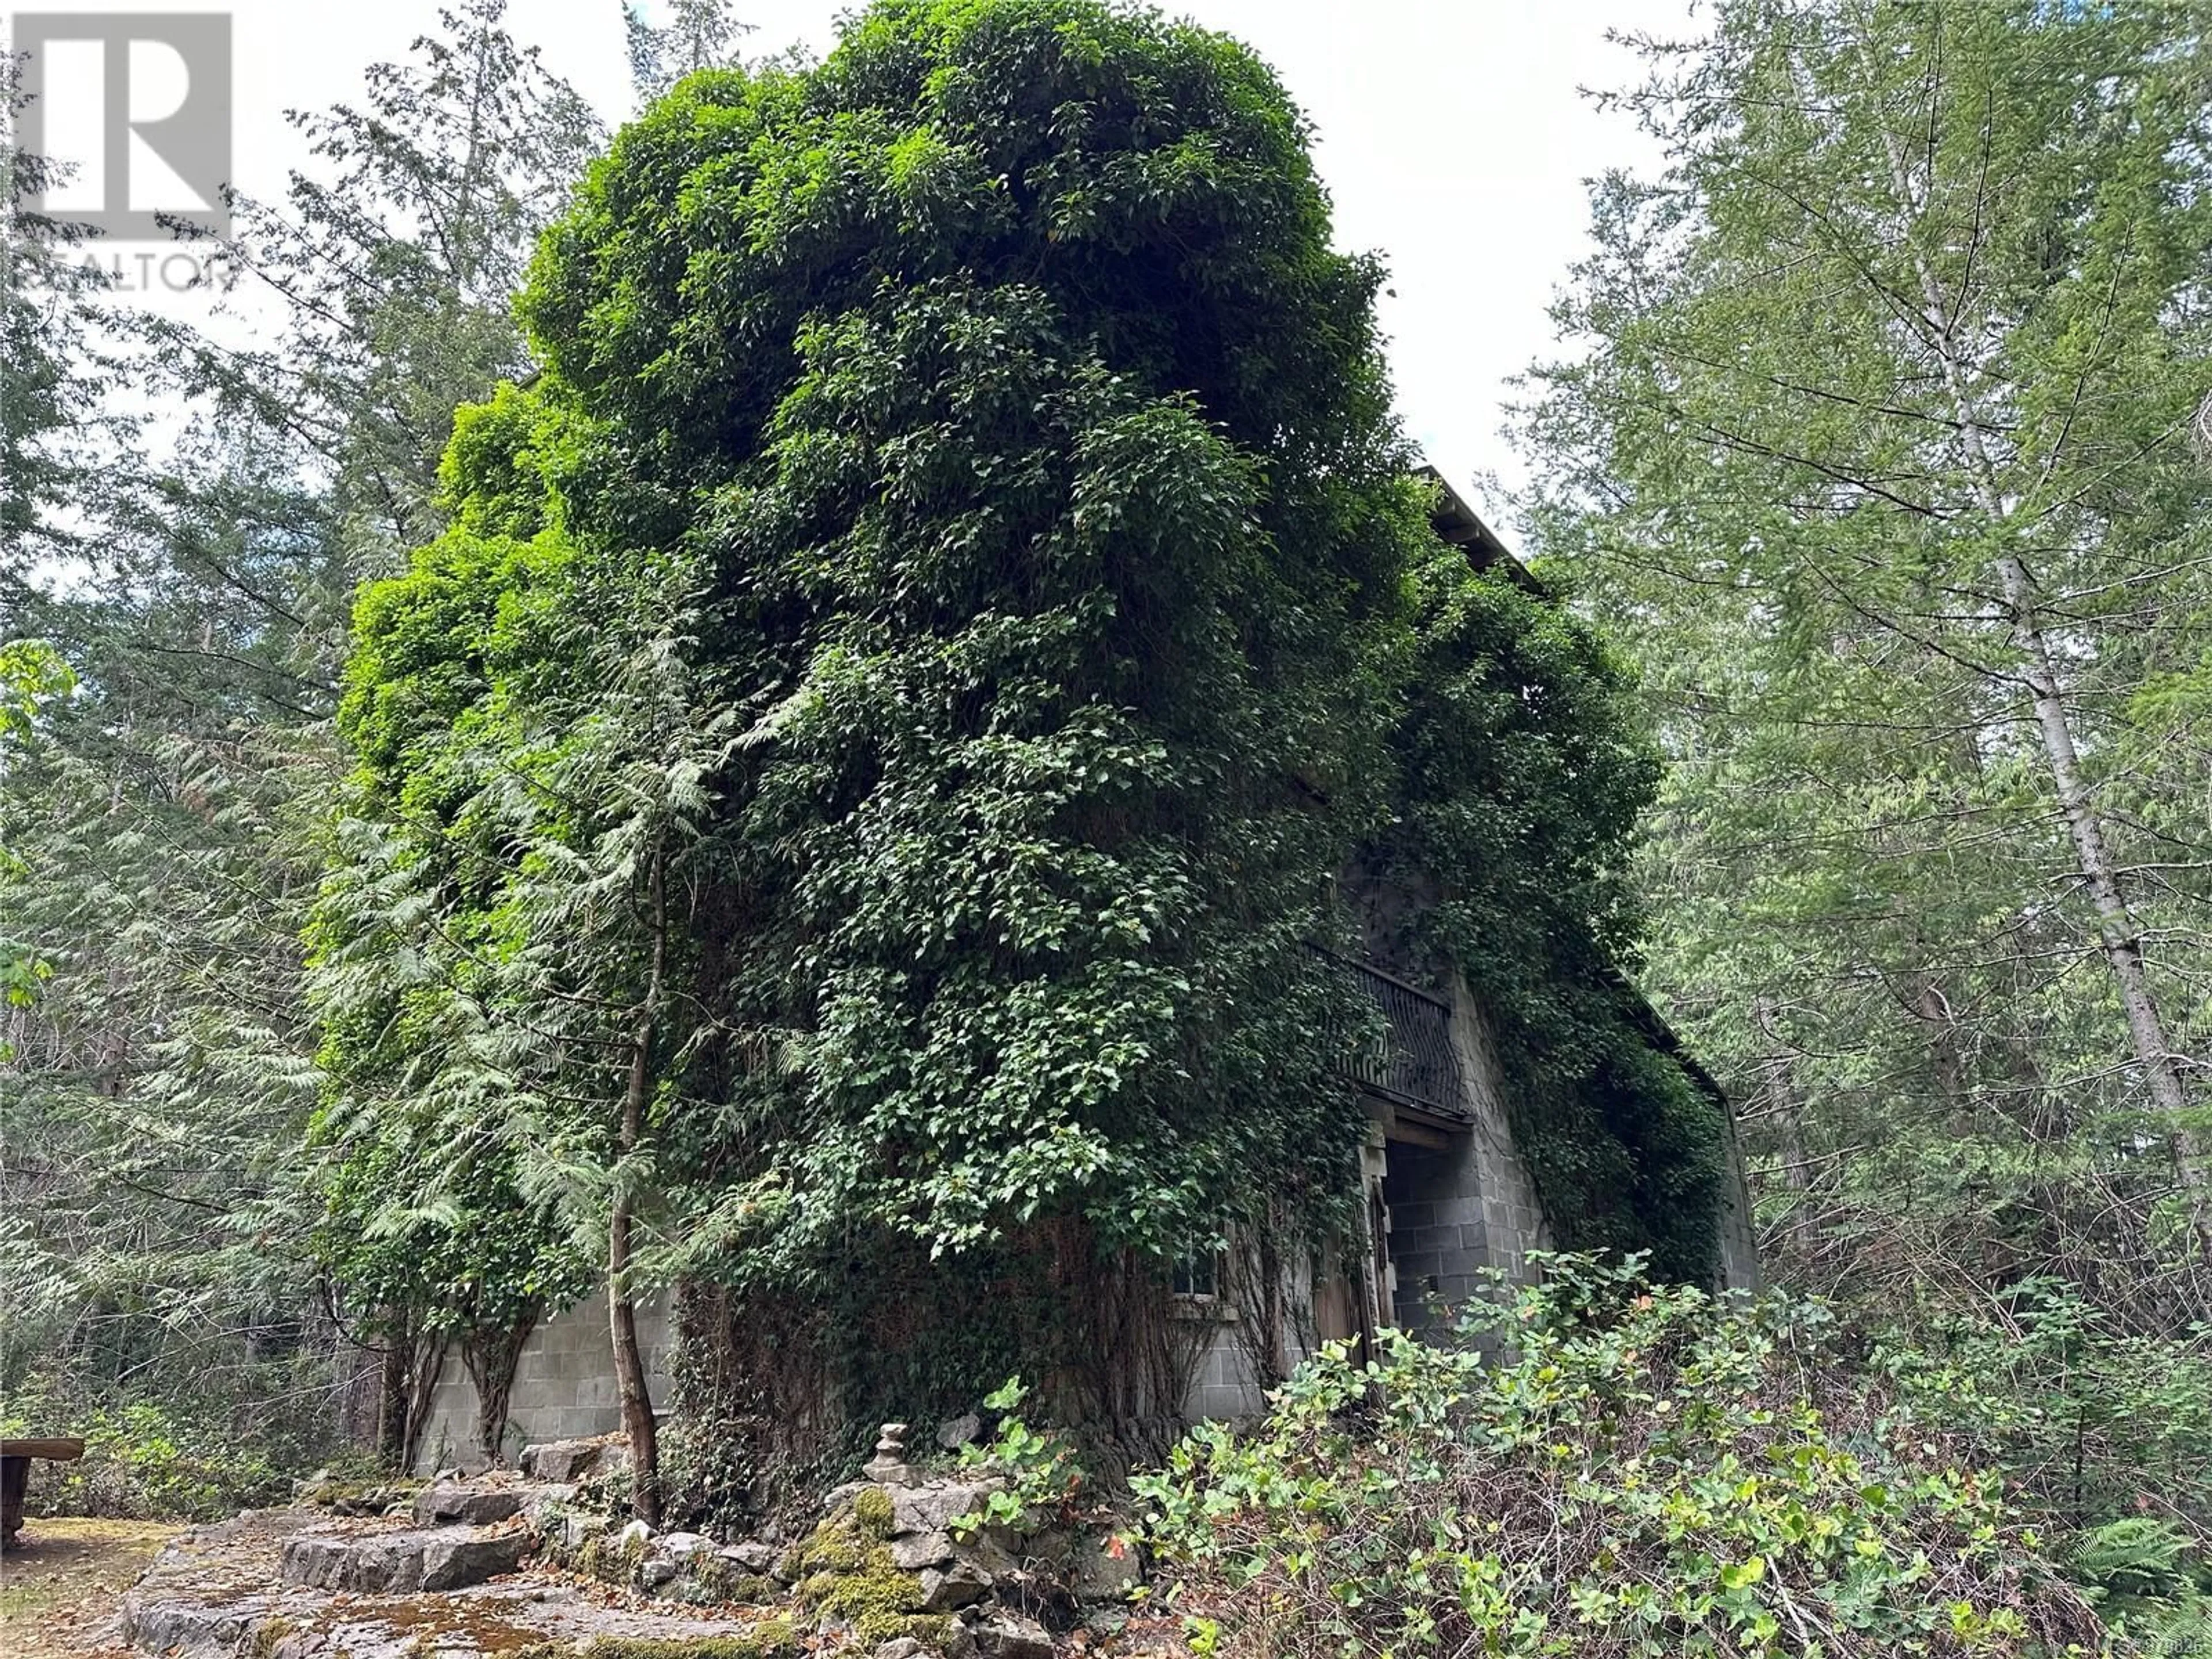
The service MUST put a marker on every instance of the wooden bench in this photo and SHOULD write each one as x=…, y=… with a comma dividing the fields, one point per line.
x=16, y=1457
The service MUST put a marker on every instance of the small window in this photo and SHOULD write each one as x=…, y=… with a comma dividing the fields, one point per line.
x=1196, y=1276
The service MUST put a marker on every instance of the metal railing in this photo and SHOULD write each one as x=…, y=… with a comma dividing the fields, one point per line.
x=1413, y=1062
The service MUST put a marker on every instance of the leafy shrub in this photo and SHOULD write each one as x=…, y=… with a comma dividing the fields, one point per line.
x=141, y=1462
x=1040, y=1469
x=1647, y=1471
x=2091, y=1420
x=2146, y=1578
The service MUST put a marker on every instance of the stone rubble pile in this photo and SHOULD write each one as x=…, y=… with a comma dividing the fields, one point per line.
x=900, y=1566
x=890, y=1559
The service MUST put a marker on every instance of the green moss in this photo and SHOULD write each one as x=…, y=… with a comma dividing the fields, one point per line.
x=267, y=1634
x=872, y=1508
x=877, y=1585
x=837, y=1545
x=845, y=1571
x=712, y=1580
x=931, y=1630
x=360, y=1494
x=773, y=1639
x=597, y=1557
x=836, y=1555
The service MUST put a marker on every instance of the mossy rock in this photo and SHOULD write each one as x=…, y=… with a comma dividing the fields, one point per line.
x=931, y=1630
x=360, y=1496
x=845, y=1571
x=773, y=1639
x=598, y=1556
x=837, y=1546
x=873, y=1511
x=875, y=1585
x=710, y=1580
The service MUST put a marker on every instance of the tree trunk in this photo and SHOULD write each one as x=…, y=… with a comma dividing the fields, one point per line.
x=425, y=1361
x=391, y=1408
x=629, y=1373
x=2117, y=930
x=491, y=1354
x=622, y=1314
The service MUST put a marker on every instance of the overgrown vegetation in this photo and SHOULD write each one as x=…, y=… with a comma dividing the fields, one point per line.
x=806, y=769
x=141, y=1463
x=1645, y=1471
x=162, y=811
x=1526, y=772
x=863, y=817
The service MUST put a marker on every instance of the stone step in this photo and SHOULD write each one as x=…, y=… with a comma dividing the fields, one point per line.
x=479, y=1504
x=401, y=1563
x=563, y=1460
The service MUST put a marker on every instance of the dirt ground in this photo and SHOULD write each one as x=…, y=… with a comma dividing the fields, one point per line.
x=58, y=1592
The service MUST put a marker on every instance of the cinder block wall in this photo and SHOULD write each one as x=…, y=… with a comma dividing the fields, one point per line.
x=1459, y=1209
x=1223, y=1385
x=564, y=1387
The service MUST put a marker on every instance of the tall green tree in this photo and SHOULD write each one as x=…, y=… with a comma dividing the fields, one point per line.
x=1874, y=436
x=698, y=34
x=164, y=819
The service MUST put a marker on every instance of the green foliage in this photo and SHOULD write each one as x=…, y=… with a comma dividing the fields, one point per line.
x=845, y=1571
x=1029, y=647
x=194, y=572
x=2148, y=1581
x=2088, y=1418
x=31, y=673
x=458, y=1247
x=904, y=679
x=1021, y=581
x=699, y=34
x=141, y=1462
x=1645, y=1471
x=1869, y=443
x=1039, y=1467
x=1526, y=769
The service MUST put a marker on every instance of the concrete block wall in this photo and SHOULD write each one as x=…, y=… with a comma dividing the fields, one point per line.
x=564, y=1386
x=1466, y=1207
x=1223, y=1385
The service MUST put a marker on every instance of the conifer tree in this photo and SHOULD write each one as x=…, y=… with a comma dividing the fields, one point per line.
x=163, y=818
x=1875, y=436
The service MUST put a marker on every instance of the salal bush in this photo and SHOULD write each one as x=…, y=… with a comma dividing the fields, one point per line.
x=1597, y=1465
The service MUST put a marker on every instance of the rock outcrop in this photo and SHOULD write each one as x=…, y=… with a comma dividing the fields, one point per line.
x=400, y=1563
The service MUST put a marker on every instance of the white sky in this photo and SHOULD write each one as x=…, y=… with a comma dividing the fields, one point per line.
x=1451, y=134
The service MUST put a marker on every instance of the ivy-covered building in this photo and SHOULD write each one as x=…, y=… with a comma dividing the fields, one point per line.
x=949, y=791
x=1446, y=1191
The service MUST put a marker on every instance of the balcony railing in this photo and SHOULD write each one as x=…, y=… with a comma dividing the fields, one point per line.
x=1413, y=1062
